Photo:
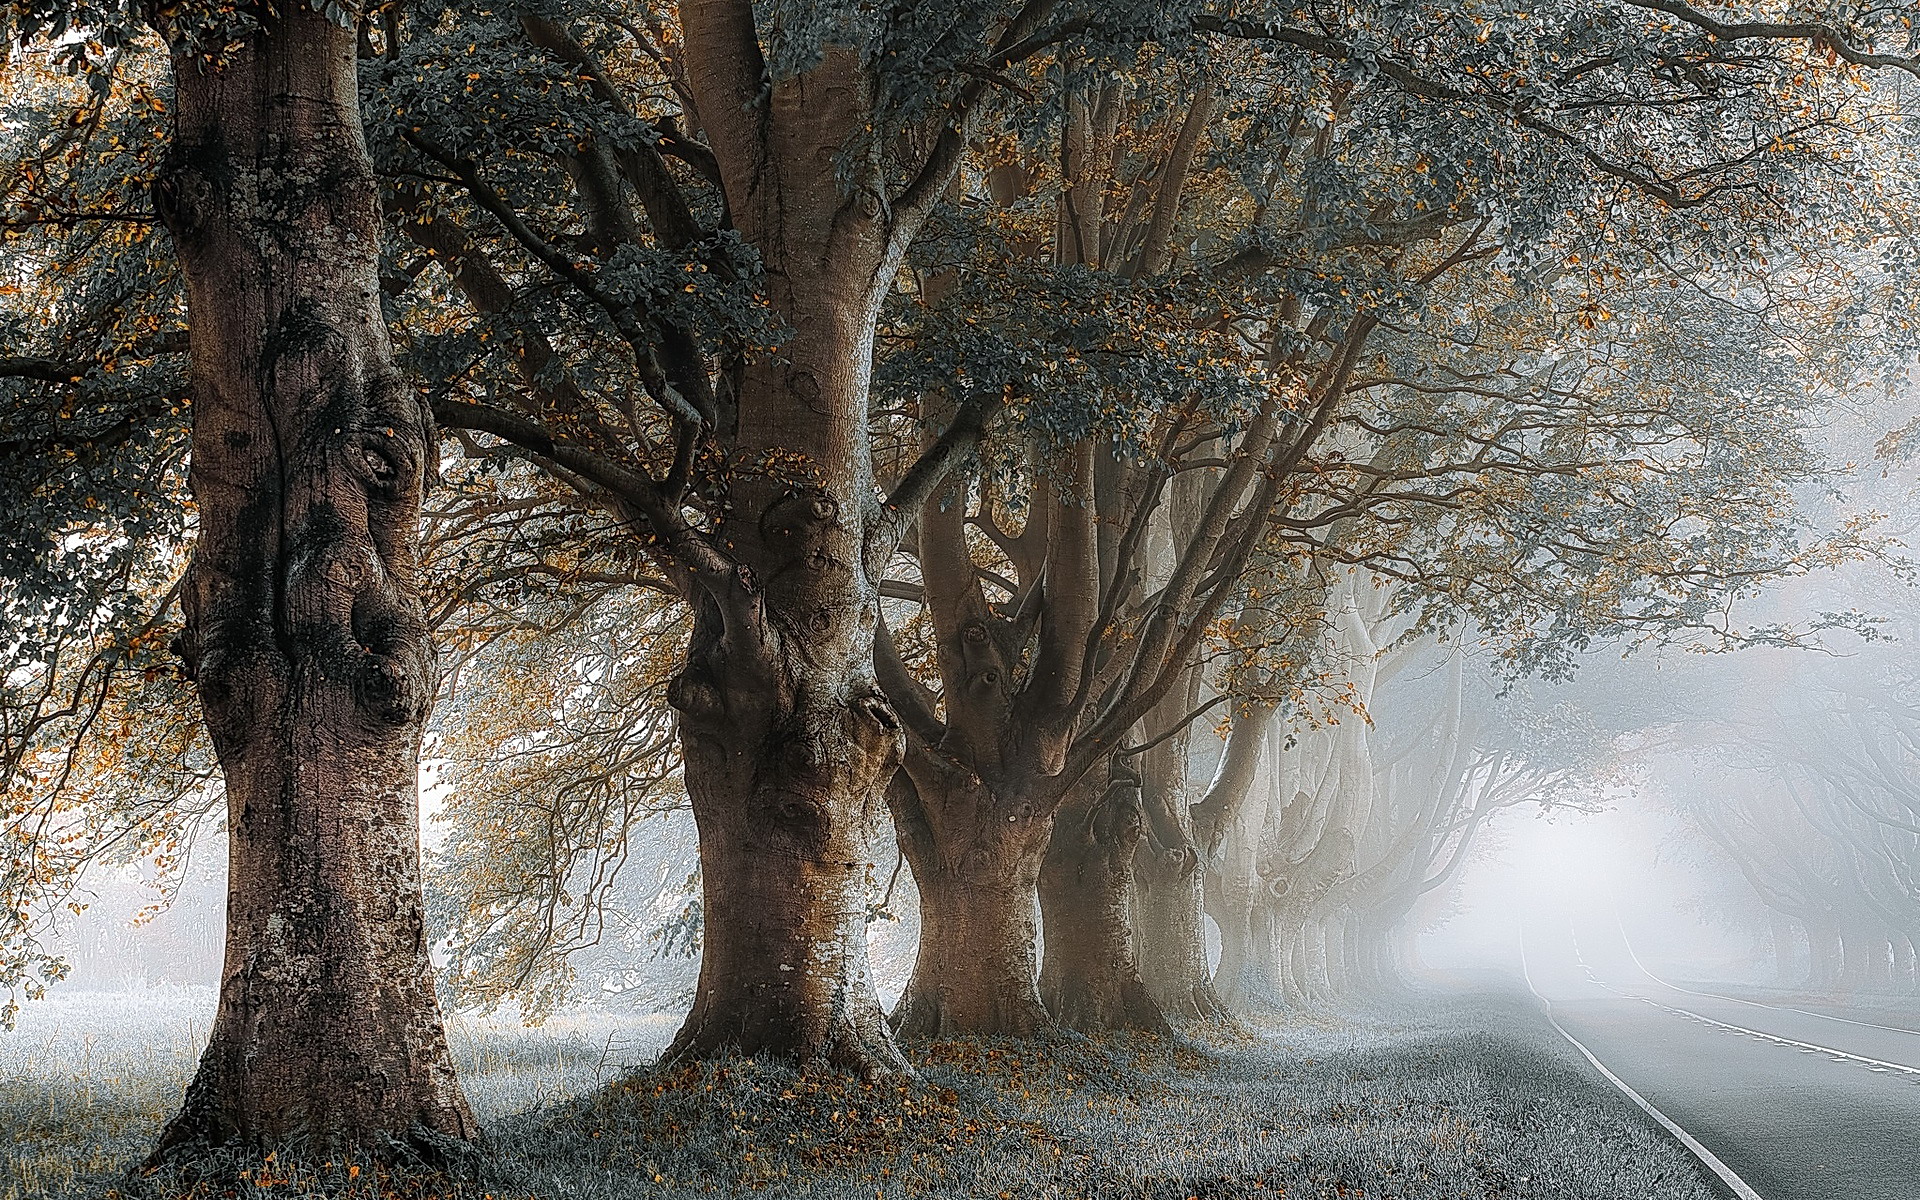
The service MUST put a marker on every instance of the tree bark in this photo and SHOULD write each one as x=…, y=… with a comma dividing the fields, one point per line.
x=1248, y=978
x=1168, y=902
x=976, y=860
x=976, y=813
x=787, y=740
x=1088, y=977
x=1170, y=937
x=1228, y=824
x=304, y=630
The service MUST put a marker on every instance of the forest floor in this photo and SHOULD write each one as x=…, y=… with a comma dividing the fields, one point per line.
x=1440, y=1096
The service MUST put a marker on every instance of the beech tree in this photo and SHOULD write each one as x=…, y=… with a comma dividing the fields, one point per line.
x=1361, y=808
x=1807, y=793
x=303, y=631
x=640, y=258
x=1355, y=298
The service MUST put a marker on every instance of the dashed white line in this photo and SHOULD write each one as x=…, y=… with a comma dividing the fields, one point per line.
x=1803, y=1047
x=1644, y=970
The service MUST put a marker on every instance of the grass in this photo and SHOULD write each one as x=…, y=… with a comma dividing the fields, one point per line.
x=1446, y=1101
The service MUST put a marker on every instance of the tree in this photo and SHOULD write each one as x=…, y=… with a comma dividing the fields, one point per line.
x=647, y=257
x=1501, y=220
x=304, y=633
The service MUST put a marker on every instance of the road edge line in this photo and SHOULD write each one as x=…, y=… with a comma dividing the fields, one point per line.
x=1669, y=984
x=1707, y=1158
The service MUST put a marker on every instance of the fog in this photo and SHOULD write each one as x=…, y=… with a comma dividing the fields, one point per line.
x=1629, y=851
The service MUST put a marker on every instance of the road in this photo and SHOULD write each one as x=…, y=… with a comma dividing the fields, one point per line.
x=1797, y=1105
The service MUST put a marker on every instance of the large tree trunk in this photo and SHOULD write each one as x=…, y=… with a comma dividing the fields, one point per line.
x=1248, y=978
x=1227, y=825
x=1088, y=977
x=787, y=739
x=304, y=629
x=976, y=861
x=1168, y=903
x=1170, y=937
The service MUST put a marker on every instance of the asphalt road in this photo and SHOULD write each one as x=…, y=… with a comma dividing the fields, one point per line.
x=1799, y=1105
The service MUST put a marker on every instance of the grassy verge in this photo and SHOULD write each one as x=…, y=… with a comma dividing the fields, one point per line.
x=1457, y=1098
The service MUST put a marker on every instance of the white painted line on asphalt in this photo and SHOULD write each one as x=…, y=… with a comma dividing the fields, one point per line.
x=1648, y=972
x=1803, y=1047
x=1702, y=1018
x=1707, y=1157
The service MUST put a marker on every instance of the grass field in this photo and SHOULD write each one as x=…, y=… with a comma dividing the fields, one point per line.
x=1448, y=1099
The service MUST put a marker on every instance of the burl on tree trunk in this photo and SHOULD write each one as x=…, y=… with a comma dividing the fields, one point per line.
x=304, y=629
x=788, y=745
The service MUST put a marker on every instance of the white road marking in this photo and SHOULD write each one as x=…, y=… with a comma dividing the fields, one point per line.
x=1707, y=1157
x=1644, y=970
x=1803, y=1047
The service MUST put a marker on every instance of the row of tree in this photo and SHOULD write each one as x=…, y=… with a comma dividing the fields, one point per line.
x=937, y=409
x=1809, y=792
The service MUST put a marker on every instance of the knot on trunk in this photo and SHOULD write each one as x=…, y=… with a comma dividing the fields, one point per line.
x=882, y=722
x=384, y=462
x=183, y=192
x=799, y=515
x=242, y=678
x=304, y=329
x=395, y=672
x=393, y=452
x=694, y=696
x=188, y=652
x=392, y=689
x=1117, y=820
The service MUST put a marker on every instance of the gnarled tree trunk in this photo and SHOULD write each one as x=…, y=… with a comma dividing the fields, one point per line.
x=1088, y=977
x=976, y=861
x=975, y=812
x=1248, y=977
x=787, y=739
x=304, y=628
x=1169, y=905
x=1170, y=937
